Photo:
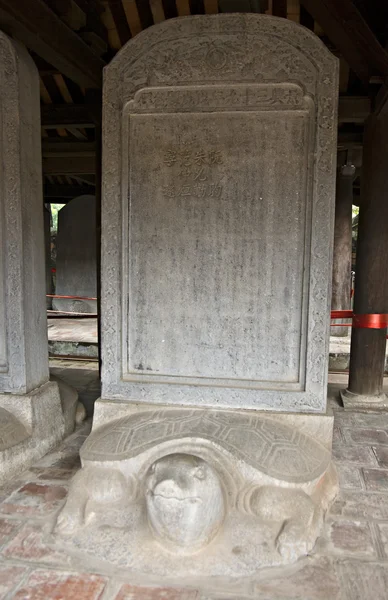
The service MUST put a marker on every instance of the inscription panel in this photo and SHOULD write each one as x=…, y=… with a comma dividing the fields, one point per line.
x=217, y=234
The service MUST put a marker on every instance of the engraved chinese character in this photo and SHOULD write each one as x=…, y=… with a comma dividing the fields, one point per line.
x=185, y=172
x=215, y=157
x=217, y=191
x=199, y=190
x=170, y=158
x=186, y=190
x=200, y=158
x=200, y=175
x=186, y=158
x=168, y=191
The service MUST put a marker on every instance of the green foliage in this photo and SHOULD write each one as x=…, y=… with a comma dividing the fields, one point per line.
x=355, y=211
x=55, y=208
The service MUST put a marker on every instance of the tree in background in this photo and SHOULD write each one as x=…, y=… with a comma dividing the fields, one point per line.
x=55, y=208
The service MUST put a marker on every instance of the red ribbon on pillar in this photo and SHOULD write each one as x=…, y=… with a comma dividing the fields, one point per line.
x=368, y=321
x=374, y=321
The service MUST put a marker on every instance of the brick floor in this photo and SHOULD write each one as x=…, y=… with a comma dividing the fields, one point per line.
x=34, y=499
x=349, y=561
x=57, y=585
x=10, y=577
x=131, y=592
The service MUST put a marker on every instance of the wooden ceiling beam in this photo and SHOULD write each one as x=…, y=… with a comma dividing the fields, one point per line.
x=279, y=8
x=120, y=20
x=197, y=7
x=305, y=18
x=349, y=32
x=52, y=192
x=145, y=13
x=169, y=9
x=54, y=116
x=61, y=149
x=69, y=165
x=41, y=30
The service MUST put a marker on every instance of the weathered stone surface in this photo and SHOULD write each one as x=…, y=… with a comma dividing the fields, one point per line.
x=363, y=581
x=69, y=403
x=76, y=255
x=33, y=425
x=224, y=136
x=315, y=580
x=23, y=331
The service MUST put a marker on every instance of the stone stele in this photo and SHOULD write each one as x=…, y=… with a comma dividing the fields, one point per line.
x=77, y=256
x=211, y=440
x=31, y=414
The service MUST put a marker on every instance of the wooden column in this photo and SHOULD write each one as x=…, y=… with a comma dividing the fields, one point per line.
x=342, y=257
x=367, y=356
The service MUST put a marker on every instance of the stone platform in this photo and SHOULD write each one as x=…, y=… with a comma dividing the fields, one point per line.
x=73, y=337
x=349, y=561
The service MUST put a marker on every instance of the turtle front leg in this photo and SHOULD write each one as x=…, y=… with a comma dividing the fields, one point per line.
x=298, y=534
x=297, y=515
x=72, y=514
x=93, y=491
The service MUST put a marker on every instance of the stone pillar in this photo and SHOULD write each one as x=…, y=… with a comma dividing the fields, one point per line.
x=342, y=255
x=367, y=352
x=31, y=419
x=76, y=273
x=217, y=228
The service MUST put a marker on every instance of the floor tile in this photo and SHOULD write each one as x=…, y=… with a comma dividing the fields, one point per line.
x=313, y=581
x=365, y=436
x=8, y=529
x=381, y=454
x=349, y=476
x=360, y=506
x=350, y=537
x=355, y=454
x=130, y=592
x=376, y=480
x=34, y=499
x=363, y=581
x=56, y=585
x=29, y=544
x=10, y=577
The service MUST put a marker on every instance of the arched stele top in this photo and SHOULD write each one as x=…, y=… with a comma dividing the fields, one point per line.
x=241, y=64
x=228, y=47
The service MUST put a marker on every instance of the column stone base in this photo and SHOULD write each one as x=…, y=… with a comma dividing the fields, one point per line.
x=30, y=425
x=360, y=402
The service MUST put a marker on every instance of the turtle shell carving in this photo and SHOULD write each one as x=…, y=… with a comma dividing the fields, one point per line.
x=271, y=447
